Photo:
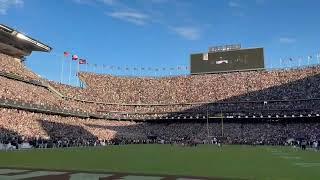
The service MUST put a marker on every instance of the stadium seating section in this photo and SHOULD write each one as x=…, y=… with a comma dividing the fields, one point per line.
x=32, y=107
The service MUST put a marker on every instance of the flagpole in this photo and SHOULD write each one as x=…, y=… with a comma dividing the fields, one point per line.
x=78, y=72
x=61, y=75
x=70, y=72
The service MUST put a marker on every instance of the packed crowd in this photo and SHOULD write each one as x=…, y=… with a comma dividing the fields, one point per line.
x=37, y=125
x=18, y=125
x=282, y=92
x=254, y=92
x=37, y=95
x=235, y=86
x=14, y=66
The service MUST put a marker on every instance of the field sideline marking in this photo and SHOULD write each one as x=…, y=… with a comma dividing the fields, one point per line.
x=299, y=164
x=91, y=174
x=316, y=164
x=6, y=171
x=290, y=157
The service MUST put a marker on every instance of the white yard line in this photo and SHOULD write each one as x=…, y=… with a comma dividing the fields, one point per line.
x=310, y=164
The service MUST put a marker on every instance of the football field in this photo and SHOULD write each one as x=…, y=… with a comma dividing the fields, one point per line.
x=162, y=162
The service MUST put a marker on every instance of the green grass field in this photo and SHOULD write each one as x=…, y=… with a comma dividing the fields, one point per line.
x=209, y=161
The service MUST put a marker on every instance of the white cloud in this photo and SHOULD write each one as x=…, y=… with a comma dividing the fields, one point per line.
x=82, y=1
x=94, y=2
x=109, y=2
x=238, y=14
x=6, y=4
x=189, y=33
x=150, y=14
x=132, y=17
x=159, y=1
x=287, y=40
x=260, y=1
x=234, y=4
x=238, y=9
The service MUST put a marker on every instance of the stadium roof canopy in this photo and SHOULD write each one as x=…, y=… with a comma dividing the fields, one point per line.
x=16, y=44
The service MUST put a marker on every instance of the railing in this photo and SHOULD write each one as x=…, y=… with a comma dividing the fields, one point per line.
x=127, y=115
x=8, y=103
x=193, y=103
x=137, y=72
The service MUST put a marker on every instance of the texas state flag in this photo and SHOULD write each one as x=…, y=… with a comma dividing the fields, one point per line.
x=75, y=57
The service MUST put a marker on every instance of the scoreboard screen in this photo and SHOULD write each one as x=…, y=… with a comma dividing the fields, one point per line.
x=224, y=61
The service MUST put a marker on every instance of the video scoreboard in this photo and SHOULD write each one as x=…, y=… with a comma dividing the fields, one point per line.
x=227, y=58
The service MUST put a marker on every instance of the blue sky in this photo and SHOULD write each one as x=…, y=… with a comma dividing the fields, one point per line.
x=161, y=33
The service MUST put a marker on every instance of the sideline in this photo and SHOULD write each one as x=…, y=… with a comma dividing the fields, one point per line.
x=96, y=174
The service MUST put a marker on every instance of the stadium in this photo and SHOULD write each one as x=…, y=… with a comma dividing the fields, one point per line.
x=247, y=123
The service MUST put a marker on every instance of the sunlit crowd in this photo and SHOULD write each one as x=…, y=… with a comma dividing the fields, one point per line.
x=23, y=125
x=282, y=92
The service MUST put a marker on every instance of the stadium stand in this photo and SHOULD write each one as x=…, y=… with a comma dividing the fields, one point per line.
x=293, y=92
x=14, y=66
x=200, y=88
x=28, y=126
x=253, y=93
x=257, y=107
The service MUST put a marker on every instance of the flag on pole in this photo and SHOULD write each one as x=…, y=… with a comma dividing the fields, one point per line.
x=66, y=54
x=82, y=61
x=318, y=58
x=75, y=57
x=309, y=58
